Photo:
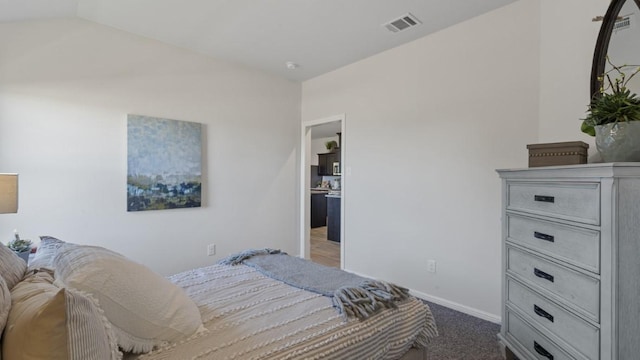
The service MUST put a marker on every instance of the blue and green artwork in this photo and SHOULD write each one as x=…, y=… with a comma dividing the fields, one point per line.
x=164, y=164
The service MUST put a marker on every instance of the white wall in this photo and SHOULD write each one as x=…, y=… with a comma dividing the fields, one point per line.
x=440, y=113
x=430, y=121
x=568, y=39
x=66, y=87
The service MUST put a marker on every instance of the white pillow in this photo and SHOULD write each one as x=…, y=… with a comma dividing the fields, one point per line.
x=47, y=322
x=12, y=268
x=145, y=309
x=47, y=250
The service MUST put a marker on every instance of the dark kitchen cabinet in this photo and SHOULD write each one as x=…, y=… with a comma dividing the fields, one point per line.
x=333, y=218
x=325, y=162
x=318, y=210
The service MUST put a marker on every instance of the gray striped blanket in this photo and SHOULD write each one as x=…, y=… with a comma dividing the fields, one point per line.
x=352, y=295
x=250, y=316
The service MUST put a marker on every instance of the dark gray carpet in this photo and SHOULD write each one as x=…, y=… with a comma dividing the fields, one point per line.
x=463, y=336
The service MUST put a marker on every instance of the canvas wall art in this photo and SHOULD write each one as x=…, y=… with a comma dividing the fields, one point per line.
x=164, y=162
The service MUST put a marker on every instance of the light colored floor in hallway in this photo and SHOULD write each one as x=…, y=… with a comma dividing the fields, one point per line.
x=323, y=251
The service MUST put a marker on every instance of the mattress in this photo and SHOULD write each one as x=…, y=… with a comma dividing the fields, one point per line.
x=251, y=316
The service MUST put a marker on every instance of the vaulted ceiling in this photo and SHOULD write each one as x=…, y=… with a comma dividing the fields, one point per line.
x=317, y=35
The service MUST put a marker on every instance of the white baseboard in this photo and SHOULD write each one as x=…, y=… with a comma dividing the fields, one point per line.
x=450, y=304
x=459, y=307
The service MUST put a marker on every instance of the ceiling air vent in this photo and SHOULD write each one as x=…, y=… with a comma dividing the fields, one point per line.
x=402, y=23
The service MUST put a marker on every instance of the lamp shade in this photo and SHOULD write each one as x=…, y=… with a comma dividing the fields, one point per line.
x=8, y=193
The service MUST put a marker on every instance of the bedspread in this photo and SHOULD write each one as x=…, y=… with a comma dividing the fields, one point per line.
x=251, y=316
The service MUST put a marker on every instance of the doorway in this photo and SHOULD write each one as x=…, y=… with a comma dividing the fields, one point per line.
x=325, y=174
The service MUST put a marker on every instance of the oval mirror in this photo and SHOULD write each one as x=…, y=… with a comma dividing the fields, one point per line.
x=619, y=40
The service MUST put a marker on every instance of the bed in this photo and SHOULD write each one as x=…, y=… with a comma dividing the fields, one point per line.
x=244, y=310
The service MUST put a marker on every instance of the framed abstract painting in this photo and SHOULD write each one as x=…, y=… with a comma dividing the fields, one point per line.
x=164, y=163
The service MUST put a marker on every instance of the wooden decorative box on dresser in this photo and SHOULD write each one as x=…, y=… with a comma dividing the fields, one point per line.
x=571, y=262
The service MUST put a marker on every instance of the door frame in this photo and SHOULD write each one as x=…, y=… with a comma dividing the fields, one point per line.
x=305, y=192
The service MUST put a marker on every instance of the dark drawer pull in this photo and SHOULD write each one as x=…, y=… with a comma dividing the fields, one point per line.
x=540, y=312
x=543, y=275
x=541, y=236
x=542, y=351
x=543, y=198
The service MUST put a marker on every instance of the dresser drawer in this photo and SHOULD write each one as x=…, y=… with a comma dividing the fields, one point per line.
x=578, y=246
x=537, y=346
x=578, y=290
x=582, y=336
x=571, y=201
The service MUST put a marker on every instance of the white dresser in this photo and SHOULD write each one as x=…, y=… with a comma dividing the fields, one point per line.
x=571, y=262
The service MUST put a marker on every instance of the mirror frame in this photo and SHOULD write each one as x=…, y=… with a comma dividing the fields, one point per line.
x=602, y=45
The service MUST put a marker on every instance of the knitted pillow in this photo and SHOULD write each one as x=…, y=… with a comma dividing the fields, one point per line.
x=145, y=309
x=47, y=322
x=47, y=250
x=12, y=268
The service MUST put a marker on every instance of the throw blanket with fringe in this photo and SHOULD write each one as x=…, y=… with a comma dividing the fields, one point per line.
x=352, y=295
x=250, y=316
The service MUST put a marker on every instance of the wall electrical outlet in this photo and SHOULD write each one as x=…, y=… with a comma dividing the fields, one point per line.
x=431, y=266
x=211, y=249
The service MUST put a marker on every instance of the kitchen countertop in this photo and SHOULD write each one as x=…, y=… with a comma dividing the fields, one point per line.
x=334, y=194
x=326, y=191
x=315, y=191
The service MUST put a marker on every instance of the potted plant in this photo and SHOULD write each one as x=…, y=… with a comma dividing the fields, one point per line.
x=613, y=116
x=22, y=247
x=331, y=145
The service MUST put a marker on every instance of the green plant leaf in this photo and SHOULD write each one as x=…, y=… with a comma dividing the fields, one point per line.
x=588, y=129
x=19, y=245
x=615, y=103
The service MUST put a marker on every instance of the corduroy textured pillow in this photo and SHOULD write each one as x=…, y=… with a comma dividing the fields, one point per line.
x=5, y=306
x=145, y=309
x=47, y=322
x=12, y=268
x=47, y=250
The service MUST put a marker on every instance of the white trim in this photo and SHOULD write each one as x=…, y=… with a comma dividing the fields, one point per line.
x=333, y=118
x=305, y=192
x=343, y=182
x=459, y=307
x=449, y=304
